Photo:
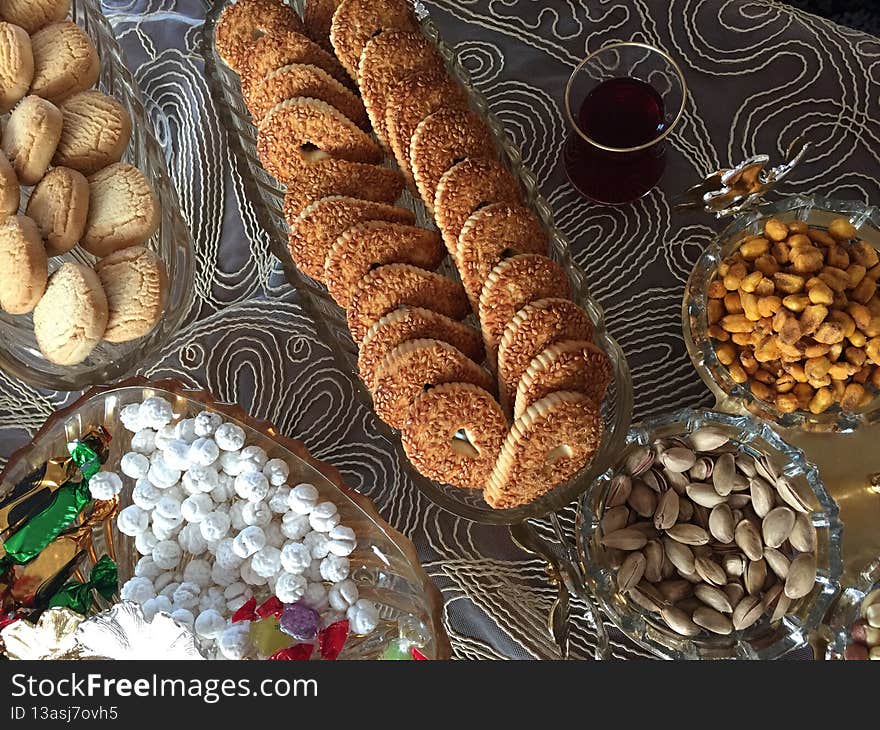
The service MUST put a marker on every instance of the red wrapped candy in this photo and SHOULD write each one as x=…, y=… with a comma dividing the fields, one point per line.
x=332, y=639
x=416, y=654
x=247, y=612
x=297, y=652
x=272, y=607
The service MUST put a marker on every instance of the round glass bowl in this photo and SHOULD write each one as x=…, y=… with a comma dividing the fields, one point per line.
x=818, y=213
x=848, y=610
x=761, y=640
x=172, y=243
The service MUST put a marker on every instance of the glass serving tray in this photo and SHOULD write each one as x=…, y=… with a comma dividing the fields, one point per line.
x=19, y=354
x=268, y=196
x=384, y=564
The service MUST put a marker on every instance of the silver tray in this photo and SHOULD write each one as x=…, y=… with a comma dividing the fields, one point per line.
x=268, y=196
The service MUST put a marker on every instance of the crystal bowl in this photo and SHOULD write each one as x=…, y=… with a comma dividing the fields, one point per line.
x=761, y=640
x=817, y=212
x=172, y=243
x=848, y=609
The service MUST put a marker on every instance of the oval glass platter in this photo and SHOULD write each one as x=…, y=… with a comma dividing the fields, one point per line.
x=268, y=196
x=172, y=242
x=384, y=565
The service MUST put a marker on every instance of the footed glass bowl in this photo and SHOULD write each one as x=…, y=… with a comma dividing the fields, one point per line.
x=761, y=640
x=817, y=212
x=848, y=609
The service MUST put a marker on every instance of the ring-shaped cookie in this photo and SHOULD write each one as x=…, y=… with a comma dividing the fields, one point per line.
x=242, y=24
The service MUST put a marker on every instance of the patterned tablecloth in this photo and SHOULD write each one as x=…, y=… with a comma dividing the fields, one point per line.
x=760, y=74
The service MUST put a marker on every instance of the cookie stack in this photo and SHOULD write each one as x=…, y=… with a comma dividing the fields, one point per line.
x=62, y=145
x=419, y=360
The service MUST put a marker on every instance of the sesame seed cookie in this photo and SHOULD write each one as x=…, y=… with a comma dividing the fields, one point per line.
x=553, y=440
x=467, y=186
x=59, y=205
x=317, y=17
x=305, y=80
x=493, y=233
x=123, y=210
x=356, y=21
x=245, y=22
x=454, y=433
x=316, y=229
x=340, y=177
x=533, y=329
x=387, y=58
x=70, y=319
x=512, y=284
x=572, y=365
x=415, y=366
x=412, y=99
x=10, y=190
x=394, y=285
x=65, y=61
x=95, y=134
x=16, y=65
x=34, y=14
x=441, y=140
x=363, y=247
x=300, y=132
x=31, y=136
x=135, y=283
x=413, y=323
x=23, y=265
x=275, y=50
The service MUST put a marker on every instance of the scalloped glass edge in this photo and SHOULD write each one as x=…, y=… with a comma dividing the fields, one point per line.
x=263, y=193
x=646, y=631
x=865, y=218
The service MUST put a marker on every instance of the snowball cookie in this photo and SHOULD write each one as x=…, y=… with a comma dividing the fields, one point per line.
x=34, y=14
x=71, y=317
x=65, y=61
x=59, y=205
x=30, y=138
x=135, y=283
x=10, y=192
x=123, y=210
x=95, y=133
x=16, y=65
x=23, y=265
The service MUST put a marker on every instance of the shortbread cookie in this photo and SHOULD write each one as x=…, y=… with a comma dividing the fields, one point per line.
x=10, y=191
x=34, y=14
x=553, y=440
x=16, y=65
x=23, y=265
x=95, y=134
x=135, y=283
x=413, y=323
x=356, y=21
x=363, y=247
x=491, y=234
x=390, y=56
x=340, y=177
x=511, y=285
x=273, y=51
x=396, y=285
x=65, y=61
x=441, y=140
x=317, y=17
x=71, y=317
x=245, y=22
x=454, y=433
x=466, y=187
x=533, y=329
x=59, y=205
x=316, y=229
x=409, y=101
x=415, y=366
x=123, y=210
x=301, y=132
x=304, y=80
x=31, y=136
x=573, y=365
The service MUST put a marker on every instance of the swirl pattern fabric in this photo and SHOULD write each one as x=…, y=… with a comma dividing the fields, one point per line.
x=759, y=73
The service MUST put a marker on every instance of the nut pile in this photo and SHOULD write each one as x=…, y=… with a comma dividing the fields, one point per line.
x=796, y=315
x=707, y=536
x=865, y=632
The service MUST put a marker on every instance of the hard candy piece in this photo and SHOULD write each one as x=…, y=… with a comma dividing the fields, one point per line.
x=134, y=465
x=209, y=624
x=270, y=607
x=105, y=485
x=303, y=498
x=248, y=612
x=298, y=652
x=332, y=639
x=206, y=423
x=235, y=641
x=156, y=412
x=363, y=617
x=276, y=471
x=289, y=587
x=397, y=651
x=417, y=655
x=229, y=437
x=267, y=637
x=133, y=520
x=324, y=517
x=300, y=621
